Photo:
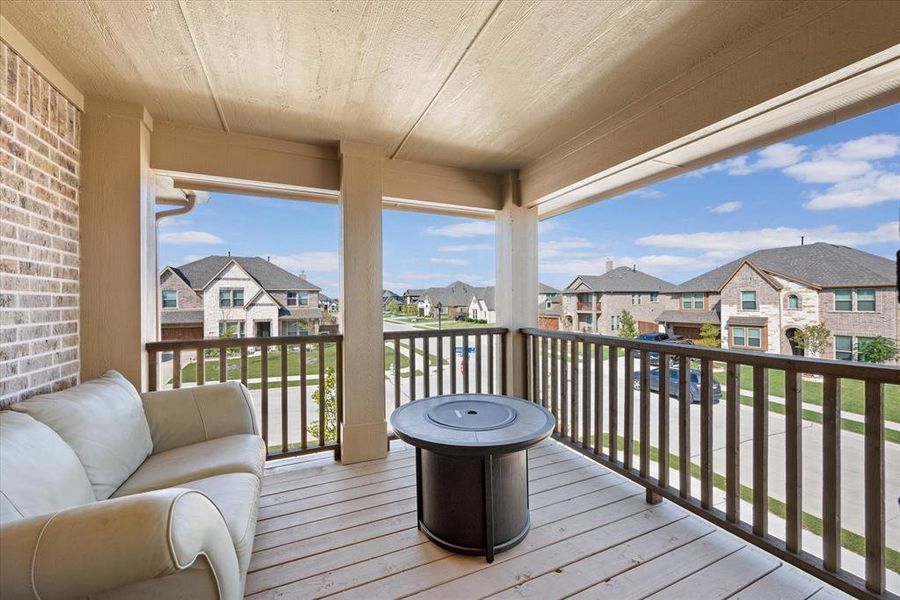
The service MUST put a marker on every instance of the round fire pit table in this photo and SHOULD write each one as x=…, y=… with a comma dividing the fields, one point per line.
x=472, y=467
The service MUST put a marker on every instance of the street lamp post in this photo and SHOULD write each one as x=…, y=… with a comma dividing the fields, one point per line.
x=439, y=307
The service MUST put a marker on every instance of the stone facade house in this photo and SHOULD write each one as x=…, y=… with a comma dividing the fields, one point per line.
x=595, y=303
x=482, y=307
x=235, y=296
x=765, y=297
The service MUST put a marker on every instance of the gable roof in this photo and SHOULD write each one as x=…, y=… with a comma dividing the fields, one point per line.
x=820, y=264
x=457, y=293
x=622, y=279
x=199, y=273
x=547, y=289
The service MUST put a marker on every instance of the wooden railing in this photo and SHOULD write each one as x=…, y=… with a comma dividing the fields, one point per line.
x=569, y=374
x=433, y=367
x=588, y=306
x=286, y=427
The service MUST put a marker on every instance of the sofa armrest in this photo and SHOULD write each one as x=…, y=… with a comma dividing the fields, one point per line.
x=192, y=415
x=93, y=548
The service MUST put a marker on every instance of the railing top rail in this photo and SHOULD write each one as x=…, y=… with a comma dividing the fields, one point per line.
x=431, y=333
x=207, y=343
x=802, y=364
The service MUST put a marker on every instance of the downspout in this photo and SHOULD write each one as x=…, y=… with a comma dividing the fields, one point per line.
x=184, y=206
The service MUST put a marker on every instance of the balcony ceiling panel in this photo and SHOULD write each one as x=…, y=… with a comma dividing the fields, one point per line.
x=479, y=84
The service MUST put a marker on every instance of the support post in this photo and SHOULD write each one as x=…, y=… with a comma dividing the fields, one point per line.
x=364, y=430
x=118, y=242
x=516, y=295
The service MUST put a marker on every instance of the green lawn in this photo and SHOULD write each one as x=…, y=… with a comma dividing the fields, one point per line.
x=254, y=365
x=852, y=392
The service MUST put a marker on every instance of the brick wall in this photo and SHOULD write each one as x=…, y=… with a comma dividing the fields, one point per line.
x=39, y=295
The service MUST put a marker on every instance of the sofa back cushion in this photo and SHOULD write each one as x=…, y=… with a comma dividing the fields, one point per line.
x=103, y=421
x=39, y=472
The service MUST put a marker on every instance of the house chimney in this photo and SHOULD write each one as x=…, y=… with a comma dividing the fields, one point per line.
x=609, y=264
x=268, y=259
x=302, y=275
x=634, y=267
x=229, y=253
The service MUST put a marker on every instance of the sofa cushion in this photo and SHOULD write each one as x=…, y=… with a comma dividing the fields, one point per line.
x=236, y=495
x=233, y=454
x=39, y=472
x=103, y=421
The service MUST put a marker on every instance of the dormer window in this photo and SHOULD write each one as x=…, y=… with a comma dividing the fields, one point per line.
x=169, y=299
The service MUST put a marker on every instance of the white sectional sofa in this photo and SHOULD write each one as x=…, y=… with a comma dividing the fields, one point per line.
x=108, y=494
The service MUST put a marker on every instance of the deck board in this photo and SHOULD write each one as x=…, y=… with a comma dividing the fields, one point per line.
x=350, y=532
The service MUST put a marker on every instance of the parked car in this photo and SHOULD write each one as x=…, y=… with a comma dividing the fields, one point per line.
x=658, y=336
x=654, y=357
x=694, y=387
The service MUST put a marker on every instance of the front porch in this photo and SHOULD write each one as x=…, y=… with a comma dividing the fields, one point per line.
x=327, y=530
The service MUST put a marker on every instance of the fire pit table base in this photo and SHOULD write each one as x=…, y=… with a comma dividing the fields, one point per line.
x=473, y=504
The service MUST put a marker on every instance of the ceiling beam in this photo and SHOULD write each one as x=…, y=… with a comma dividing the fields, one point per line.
x=826, y=63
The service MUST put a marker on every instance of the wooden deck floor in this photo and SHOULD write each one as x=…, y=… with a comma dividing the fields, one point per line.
x=350, y=532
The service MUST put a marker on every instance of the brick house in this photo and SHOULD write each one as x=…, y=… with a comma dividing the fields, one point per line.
x=481, y=306
x=238, y=296
x=760, y=300
x=595, y=303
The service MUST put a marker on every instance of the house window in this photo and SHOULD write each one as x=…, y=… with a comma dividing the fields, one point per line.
x=294, y=328
x=231, y=329
x=303, y=298
x=231, y=297
x=635, y=298
x=748, y=300
x=654, y=296
x=865, y=300
x=746, y=337
x=843, y=299
x=692, y=301
x=292, y=298
x=169, y=299
x=843, y=347
x=614, y=323
x=793, y=302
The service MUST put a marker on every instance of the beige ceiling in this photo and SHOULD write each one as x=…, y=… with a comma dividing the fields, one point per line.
x=480, y=84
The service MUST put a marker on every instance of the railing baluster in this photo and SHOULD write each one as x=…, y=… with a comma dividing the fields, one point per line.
x=321, y=393
x=412, y=369
x=706, y=433
x=244, y=365
x=533, y=366
x=477, y=363
x=794, y=457
x=339, y=393
x=397, y=379
x=504, y=363
x=465, y=367
x=733, y=442
x=304, y=420
x=760, y=451
x=831, y=476
x=264, y=375
x=663, y=420
x=545, y=373
x=628, y=416
x=573, y=398
x=265, y=385
x=176, y=369
x=874, y=487
x=453, y=365
x=564, y=388
x=644, y=418
x=613, y=403
x=284, y=395
x=684, y=427
x=440, y=360
x=426, y=368
x=598, y=398
x=264, y=406
x=200, y=357
x=586, y=395
x=152, y=373
x=223, y=364
x=554, y=381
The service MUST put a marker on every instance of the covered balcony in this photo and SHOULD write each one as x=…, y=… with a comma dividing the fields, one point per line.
x=510, y=112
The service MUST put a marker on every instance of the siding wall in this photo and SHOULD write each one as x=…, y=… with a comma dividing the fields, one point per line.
x=39, y=232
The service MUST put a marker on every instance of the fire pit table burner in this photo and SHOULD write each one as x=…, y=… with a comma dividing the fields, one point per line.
x=472, y=467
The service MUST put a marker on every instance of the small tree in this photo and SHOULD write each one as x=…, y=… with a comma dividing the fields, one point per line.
x=876, y=350
x=812, y=338
x=709, y=336
x=329, y=406
x=393, y=307
x=627, y=326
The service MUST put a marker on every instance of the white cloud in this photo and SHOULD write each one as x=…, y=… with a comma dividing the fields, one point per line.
x=646, y=193
x=725, y=207
x=571, y=247
x=448, y=261
x=188, y=238
x=465, y=247
x=770, y=237
x=192, y=257
x=463, y=230
x=871, y=147
x=878, y=187
x=177, y=221
x=776, y=156
x=828, y=170
x=545, y=226
x=315, y=261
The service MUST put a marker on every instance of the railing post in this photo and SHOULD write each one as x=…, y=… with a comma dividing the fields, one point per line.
x=874, y=486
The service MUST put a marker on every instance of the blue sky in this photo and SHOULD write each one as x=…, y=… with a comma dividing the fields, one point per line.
x=840, y=184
